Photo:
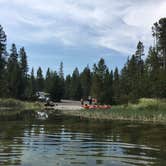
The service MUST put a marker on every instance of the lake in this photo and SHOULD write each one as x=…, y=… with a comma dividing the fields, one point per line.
x=69, y=141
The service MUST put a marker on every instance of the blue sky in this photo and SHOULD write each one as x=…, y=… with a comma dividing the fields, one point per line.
x=79, y=32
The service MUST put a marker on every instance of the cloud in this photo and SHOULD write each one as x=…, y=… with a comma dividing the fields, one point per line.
x=116, y=25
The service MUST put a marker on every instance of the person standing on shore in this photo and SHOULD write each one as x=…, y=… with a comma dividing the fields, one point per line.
x=82, y=101
x=90, y=100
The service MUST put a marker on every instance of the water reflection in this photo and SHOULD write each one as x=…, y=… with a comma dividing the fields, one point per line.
x=75, y=142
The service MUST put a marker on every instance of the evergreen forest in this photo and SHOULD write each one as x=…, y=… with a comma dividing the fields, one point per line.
x=142, y=75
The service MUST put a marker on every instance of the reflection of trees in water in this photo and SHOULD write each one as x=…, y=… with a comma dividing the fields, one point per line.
x=98, y=135
x=93, y=138
x=147, y=139
x=133, y=134
x=10, y=137
x=15, y=135
x=110, y=132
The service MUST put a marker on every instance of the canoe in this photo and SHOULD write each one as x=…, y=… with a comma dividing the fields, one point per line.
x=97, y=107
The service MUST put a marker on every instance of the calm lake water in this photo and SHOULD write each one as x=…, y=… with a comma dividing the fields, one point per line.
x=65, y=142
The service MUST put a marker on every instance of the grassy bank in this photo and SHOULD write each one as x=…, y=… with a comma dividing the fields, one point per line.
x=146, y=110
x=151, y=110
x=10, y=107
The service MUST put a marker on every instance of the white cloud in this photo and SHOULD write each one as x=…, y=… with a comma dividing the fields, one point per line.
x=112, y=24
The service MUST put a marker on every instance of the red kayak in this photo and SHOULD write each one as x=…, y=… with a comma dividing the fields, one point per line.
x=97, y=106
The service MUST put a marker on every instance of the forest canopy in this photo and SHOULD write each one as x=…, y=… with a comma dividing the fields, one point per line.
x=140, y=77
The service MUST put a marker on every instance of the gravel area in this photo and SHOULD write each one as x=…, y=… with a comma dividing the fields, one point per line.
x=68, y=105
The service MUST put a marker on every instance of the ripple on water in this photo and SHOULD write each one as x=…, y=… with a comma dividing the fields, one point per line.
x=37, y=146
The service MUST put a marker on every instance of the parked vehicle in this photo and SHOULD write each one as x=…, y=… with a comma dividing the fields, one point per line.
x=43, y=97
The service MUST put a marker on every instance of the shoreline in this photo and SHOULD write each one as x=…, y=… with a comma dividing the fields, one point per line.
x=12, y=107
x=98, y=115
x=146, y=110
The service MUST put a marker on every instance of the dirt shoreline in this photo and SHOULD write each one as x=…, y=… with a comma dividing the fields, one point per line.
x=146, y=110
x=67, y=105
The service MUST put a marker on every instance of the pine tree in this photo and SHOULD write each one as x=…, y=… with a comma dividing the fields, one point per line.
x=55, y=87
x=107, y=95
x=32, y=86
x=140, y=50
x=76, y=89
x=14, y=73
x=40, y=80
x=62, y=82
x=86, y=79
x=99, y=74
x=61, y=73
x=23, y=62
x=48, y=81
x=24, y=70
x=3, y=83
x=140, y=69
x=134, y=77
x=116, y=86
x=159, y=32
x=3, y=39
x=125, y=87
x=96, y=86
x=155, y=74
x=67, y=87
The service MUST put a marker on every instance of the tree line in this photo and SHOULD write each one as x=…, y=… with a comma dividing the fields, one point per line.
x=140, y=77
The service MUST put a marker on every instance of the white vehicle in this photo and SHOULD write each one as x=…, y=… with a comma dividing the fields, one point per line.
x=42, y=96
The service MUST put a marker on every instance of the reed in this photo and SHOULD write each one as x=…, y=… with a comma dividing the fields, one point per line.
x=151, y=110
x=9, y=106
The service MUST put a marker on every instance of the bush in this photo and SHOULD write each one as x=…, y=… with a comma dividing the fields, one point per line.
x=10, y=103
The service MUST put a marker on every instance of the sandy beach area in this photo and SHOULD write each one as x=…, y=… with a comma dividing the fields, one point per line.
x=68, y=105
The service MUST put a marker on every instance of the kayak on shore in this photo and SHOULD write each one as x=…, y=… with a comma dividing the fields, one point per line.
x=96, y=106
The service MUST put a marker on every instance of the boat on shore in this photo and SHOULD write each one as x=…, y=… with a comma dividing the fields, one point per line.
x=104, y=107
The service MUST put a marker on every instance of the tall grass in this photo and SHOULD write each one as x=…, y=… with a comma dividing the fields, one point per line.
x=11, y=109
x=153, y=110
x=12, y=105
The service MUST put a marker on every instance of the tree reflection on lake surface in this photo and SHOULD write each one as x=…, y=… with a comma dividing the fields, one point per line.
x=75, y=142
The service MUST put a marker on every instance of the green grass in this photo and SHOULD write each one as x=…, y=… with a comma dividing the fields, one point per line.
x=146, y=110
x=151, y=110
x=13, y=106
x=10, y=103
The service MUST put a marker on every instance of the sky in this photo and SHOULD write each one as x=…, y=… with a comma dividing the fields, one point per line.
x=79, y=32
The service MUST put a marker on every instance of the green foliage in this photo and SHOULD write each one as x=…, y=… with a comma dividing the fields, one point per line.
x=156, y=75
x=61, y=82
x=2, y=42
x=100, y=81
x=61, y=73
x=48, y=80
x=13, y=73
x=31, y=86
x=108, y=92
x=138, y=78
x=159, y=34
x=54, y=85
x=55, y=89
x=67, y=85
x=12, y=106
x=146, y=110
x=3, y=82
x=75, y=86
x=23, y=64
x=40, y=80
x=116, y=86
x=86, y=80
